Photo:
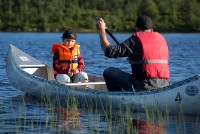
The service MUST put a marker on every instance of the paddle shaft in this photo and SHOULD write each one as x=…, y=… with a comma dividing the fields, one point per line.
x=112, y=36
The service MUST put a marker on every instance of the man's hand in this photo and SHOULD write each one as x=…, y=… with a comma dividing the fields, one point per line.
x=100, y=24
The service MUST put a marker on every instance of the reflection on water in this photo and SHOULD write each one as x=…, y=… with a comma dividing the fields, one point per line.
x=67, y=118
x=143, y=127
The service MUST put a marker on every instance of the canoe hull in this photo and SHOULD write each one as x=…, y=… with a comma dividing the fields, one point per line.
x=182, y=97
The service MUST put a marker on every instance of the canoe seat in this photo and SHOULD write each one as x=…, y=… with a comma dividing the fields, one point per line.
x=40, y=70
x=32, y=66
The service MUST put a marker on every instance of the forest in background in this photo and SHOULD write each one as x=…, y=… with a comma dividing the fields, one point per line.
x=80, y=15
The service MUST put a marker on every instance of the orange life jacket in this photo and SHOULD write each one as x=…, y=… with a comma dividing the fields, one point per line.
x=155, y=55
x=68, y=58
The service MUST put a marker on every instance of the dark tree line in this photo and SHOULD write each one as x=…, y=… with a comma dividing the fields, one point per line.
x=120, y=15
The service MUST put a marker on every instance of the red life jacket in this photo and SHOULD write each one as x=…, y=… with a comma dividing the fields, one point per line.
x=155, y=55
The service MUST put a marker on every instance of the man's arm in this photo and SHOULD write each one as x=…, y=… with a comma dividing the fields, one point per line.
x=101, y=26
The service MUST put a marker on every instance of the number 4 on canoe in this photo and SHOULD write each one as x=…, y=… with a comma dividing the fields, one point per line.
x=178, y=97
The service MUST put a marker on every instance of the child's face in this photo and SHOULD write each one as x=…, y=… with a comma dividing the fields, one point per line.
x=69, y=42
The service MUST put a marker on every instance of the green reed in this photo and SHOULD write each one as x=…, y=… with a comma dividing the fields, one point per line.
x=125, y=121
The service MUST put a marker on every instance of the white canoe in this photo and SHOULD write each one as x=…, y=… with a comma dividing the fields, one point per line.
x=36, y=78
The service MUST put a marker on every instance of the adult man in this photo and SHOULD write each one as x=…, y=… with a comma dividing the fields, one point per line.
x=147, y=52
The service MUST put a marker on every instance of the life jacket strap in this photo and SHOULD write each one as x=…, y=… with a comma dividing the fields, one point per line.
x=64, y=61
x=68, y=61
x=148, y=61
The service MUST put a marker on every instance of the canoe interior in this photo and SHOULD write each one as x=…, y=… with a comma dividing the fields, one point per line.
x=46, y=72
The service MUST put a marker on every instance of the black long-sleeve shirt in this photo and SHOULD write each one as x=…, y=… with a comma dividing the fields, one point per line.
x=129, y=48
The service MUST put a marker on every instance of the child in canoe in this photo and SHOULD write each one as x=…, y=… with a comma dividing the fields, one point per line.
x=68, y=64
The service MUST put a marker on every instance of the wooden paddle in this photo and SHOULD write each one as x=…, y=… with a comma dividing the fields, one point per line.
x=112, y=36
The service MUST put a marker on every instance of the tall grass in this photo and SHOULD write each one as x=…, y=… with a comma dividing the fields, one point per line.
x=53, y=116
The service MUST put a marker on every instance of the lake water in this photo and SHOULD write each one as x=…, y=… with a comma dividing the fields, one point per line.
x=184, y=61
